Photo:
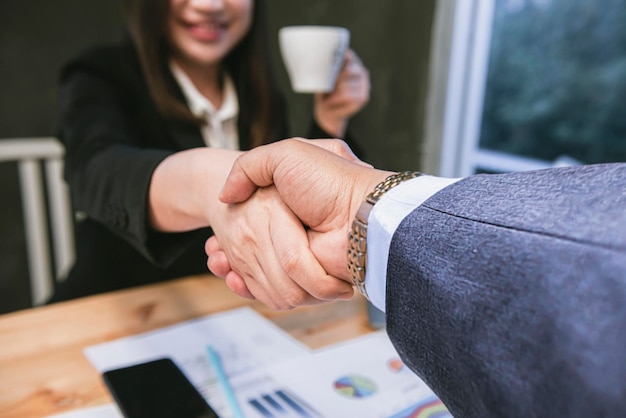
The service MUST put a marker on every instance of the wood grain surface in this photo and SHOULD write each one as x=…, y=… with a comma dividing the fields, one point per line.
x=42, y=367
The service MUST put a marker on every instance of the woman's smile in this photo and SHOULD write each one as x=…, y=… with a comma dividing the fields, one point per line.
x=208, y=31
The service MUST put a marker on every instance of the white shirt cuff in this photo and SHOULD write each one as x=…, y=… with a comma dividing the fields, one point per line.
x=385, y=217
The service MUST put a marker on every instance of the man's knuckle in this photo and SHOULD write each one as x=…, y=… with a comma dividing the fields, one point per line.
x=291, y=261
x=294, y=297
x=326, y=290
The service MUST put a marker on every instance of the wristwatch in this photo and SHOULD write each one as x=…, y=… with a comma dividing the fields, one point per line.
x=357, y=238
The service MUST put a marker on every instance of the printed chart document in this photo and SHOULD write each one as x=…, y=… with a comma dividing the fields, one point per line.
x=361, y=378
x=244, y=339
x=275, y=376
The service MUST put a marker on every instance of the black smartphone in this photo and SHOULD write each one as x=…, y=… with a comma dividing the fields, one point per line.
x=156, y=389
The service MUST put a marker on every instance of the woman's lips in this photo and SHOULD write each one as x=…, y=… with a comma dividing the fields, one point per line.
x=207, y=32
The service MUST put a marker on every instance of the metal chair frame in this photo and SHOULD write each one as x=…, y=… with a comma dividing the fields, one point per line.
x=31, y=154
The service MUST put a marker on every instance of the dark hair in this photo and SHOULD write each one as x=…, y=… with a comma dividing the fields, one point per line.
x=248, y=64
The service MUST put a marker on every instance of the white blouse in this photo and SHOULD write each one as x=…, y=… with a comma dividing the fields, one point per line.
x=220, y=131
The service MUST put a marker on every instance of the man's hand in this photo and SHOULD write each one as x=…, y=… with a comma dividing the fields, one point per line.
x=322, y=189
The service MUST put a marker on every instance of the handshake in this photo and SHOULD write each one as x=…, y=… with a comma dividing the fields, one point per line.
x=486, y=283
x=294, y=251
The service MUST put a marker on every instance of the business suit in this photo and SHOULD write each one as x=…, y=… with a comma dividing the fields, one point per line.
x=507, y=293
x=114, y=138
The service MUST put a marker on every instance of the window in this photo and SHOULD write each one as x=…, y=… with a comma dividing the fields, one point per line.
x=525, y=84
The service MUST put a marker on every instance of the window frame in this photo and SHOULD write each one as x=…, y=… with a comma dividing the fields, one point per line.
x=460, y=51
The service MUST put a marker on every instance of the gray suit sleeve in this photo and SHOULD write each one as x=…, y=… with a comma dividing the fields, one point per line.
x=507, y=293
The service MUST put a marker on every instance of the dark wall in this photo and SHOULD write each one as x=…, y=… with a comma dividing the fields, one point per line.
x=37, y=36
x=393, y=40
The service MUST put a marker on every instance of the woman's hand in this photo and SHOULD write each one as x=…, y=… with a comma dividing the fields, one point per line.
x=268, y=248
x=351, y=93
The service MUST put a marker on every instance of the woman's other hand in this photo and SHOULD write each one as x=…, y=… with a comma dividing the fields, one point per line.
x=351, y=93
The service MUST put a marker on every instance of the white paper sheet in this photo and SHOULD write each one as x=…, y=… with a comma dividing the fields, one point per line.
x=244, y=339
x=361, y=378
x=104, y=411
x=275, y=376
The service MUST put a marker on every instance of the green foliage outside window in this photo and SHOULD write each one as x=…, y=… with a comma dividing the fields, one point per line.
x=557, y=80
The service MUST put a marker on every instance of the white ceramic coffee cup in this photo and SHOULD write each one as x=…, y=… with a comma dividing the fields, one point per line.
x=313, y=56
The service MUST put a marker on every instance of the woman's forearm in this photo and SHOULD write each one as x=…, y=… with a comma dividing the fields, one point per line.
x=185, y=187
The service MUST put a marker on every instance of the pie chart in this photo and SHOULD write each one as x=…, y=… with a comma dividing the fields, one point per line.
x=355, y=386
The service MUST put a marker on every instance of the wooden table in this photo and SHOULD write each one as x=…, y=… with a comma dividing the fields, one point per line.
x=42, y=367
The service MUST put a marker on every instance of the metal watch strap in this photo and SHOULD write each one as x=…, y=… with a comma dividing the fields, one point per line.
x=357, y=238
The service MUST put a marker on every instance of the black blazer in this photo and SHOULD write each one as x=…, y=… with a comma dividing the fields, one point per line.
x=114, y=138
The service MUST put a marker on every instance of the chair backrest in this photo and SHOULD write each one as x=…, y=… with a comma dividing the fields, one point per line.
x=31, y=154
